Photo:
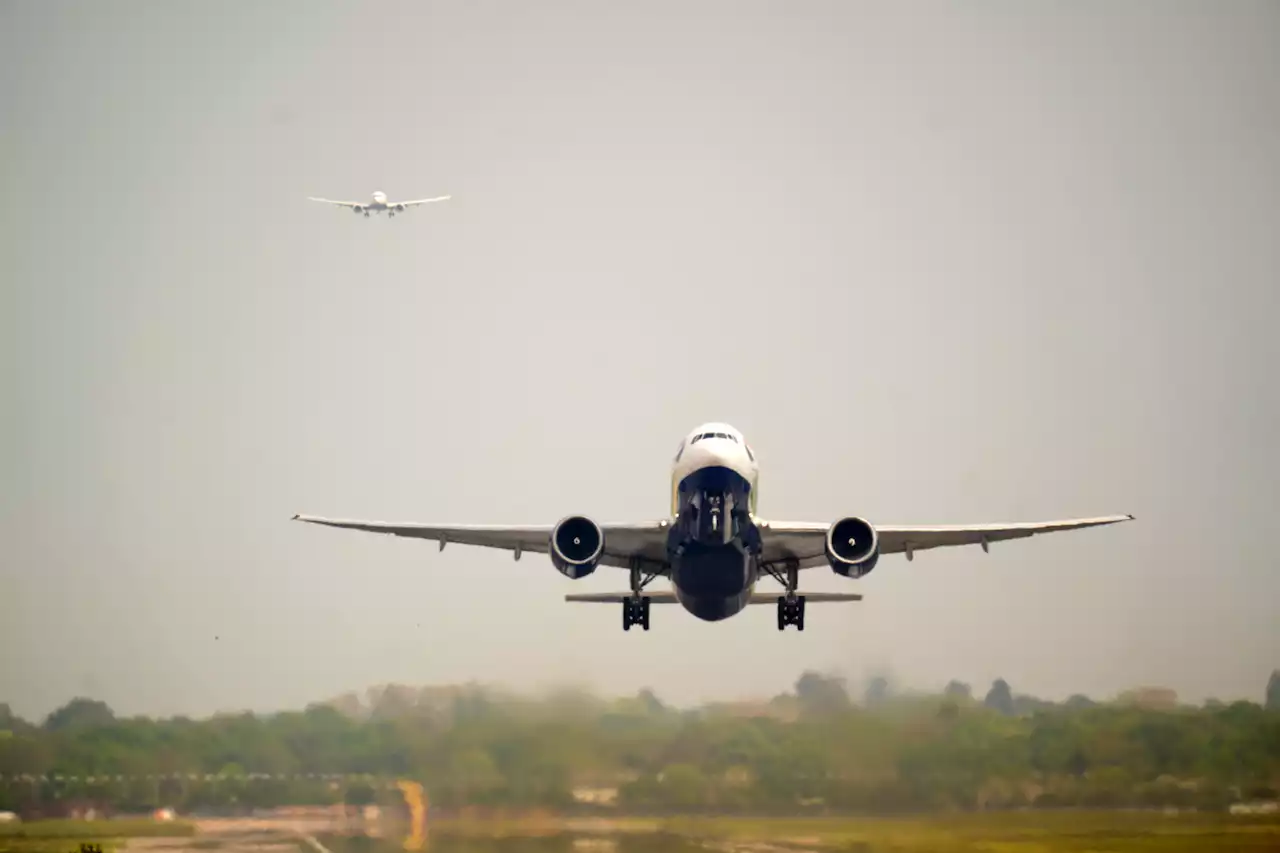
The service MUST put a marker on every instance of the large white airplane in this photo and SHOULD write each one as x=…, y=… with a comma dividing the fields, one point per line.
x=380, y=203
x=714, y=547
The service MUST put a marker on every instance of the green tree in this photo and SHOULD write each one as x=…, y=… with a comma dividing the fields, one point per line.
x=472, y=744
x=877, y=692
x=80, y=713
x=819, y=694
x=1000, y=697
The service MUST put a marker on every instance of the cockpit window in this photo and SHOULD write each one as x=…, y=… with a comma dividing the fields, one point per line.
x=723, y=435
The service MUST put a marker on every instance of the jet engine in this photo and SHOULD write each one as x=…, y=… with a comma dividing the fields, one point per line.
x=357, y=209
x=577, y=543
x=852, y=547
x=399, y=208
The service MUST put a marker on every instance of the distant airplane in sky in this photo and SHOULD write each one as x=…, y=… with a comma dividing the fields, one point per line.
x=714, y=547
x=380, y=203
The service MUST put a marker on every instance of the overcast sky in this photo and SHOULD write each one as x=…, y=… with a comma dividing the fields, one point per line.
x=940, y=262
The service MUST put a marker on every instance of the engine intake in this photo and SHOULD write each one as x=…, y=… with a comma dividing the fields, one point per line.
x=852, y=547
x=577, y=543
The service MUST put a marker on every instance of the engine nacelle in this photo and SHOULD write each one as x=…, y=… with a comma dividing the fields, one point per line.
x=357, y=210
x=399, y=208
x=852, y=547
x=577, y=543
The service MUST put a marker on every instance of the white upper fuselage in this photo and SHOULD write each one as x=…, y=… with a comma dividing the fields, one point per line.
x=714, y=445
x=379, y=201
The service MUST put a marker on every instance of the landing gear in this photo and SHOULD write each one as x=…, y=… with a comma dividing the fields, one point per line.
x=790, y=605
x=791, y=612
x=635, y=610
x=366, y=214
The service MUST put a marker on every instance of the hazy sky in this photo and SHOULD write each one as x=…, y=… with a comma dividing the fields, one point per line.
x=941, y=263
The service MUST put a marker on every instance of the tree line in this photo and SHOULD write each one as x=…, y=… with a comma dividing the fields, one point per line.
x=815, y=749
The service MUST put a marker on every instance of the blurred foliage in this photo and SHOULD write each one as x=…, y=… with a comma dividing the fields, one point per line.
x=814, y=750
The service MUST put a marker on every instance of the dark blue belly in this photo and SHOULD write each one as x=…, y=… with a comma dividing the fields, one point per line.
x=713, y=583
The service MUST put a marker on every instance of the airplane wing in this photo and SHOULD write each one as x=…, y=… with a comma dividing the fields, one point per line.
x=424, y=200
x=669, y=597
x=339, y=203
x=646, y=541
x=806, y=541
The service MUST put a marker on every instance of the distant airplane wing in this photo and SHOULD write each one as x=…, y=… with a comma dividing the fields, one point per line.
x=423, y=200
x=646, y=541
x=806, y=541
x=669, y=597
x=339, y=203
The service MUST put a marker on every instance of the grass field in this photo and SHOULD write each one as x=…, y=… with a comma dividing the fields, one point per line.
x=1014, y=832
x=87, y=831
x=1019, y=832
x=66, y=836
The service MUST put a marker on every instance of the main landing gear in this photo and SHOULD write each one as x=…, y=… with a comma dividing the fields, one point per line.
x=635, y=610
x=790, y=605
x=791, y=612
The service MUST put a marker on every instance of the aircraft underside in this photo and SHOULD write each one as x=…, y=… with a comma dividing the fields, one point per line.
x=713, y=552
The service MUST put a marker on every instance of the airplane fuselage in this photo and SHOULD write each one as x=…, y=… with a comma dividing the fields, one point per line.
x=714, y=543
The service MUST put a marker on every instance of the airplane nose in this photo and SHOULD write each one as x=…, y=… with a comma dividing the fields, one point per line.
x=716, y=451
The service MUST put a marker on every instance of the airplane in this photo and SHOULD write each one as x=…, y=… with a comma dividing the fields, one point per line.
x=380, y=203
x=714, y=546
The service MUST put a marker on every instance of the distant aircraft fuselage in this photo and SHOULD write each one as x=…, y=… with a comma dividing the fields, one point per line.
x=380, y=204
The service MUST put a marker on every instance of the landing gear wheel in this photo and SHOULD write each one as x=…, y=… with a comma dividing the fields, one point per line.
x=791, y=612
x=635, y=611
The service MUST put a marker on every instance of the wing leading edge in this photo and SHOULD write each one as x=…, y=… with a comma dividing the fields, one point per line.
x=424, y=200
x=339, y=203
x=805, y=542
x=646, y=541
x=784, y=541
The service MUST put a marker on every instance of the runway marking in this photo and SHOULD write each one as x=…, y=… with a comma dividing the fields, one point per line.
x=310, y=839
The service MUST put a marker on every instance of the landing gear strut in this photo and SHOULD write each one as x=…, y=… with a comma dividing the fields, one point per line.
x=635, y=610
x=790, y=605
